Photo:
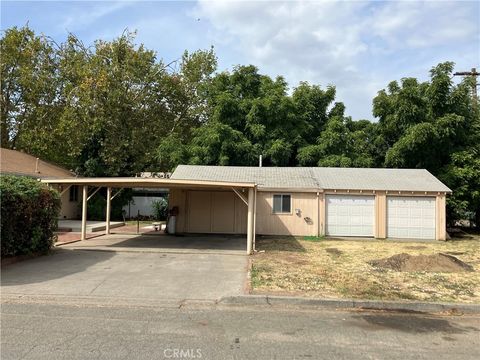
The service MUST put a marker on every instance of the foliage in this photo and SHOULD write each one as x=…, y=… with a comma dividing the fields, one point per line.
x=29, y=213
x=115, y=109
x=434, y=125
x=160, y=209
x=97, y=205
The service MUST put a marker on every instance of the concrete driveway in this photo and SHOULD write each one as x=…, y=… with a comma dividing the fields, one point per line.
x=153, y=268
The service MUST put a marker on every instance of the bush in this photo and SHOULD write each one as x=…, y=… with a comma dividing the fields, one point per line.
x=160, y=209
x=29, y=211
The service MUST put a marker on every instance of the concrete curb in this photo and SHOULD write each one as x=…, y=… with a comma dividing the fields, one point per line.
x=399, y=306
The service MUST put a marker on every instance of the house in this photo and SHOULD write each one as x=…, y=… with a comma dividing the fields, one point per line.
x=315, y=201
x=19, y=163
x=355, y=202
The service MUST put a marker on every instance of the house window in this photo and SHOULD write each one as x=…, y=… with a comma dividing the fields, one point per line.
x=73, y=193
x=282, y=204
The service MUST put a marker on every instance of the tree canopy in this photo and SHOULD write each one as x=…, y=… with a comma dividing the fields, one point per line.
x=115, y=108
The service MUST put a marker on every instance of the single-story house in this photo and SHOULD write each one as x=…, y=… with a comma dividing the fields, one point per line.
x=315, y=201
x=21, y=164
x=308, y=201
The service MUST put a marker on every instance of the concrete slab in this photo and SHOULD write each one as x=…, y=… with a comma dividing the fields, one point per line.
x=116, y=274
x=92, y=226
x=164, y=243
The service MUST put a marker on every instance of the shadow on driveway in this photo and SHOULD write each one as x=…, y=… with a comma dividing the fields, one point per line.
x=58, y=264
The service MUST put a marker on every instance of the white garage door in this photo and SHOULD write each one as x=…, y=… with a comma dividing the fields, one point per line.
x=410, y=217
x=350, y=215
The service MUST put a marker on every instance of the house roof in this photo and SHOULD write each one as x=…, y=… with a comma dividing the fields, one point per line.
x=137, y=182
x=19, y=163
x=317, y=178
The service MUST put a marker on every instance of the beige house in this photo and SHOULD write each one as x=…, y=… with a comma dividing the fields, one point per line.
x=342, y=202
x=22, y=164
x=347, y=202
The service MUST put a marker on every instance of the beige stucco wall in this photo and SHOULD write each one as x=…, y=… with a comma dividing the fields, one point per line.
x=177, y=197
x=380, y=215
x=209, y=211
x=441, y=218
x=269, y=223
x=70, y=209
x=228, y=207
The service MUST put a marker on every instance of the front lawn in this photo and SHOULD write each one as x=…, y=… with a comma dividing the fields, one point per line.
x=338, y=268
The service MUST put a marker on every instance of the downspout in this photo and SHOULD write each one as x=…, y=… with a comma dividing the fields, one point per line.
x=318, y=214
x=255, y=218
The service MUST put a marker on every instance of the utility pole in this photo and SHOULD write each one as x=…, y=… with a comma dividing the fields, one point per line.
x=474, y=74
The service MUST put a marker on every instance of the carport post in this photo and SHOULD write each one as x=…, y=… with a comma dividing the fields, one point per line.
x=84, y=212
x=107, y=215
x=250, y=221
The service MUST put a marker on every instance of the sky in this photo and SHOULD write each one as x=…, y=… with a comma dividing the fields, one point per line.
x=358, y=46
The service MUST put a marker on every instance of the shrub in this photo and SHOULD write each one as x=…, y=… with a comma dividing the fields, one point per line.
x=160, y=209
x=29, y=212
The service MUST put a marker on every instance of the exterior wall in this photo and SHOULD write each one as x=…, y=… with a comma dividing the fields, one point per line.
x=381, y=210
x=381, y=215
x=177, y=197
x=70, y=209
x=311, y=205
x=269, y=223
x=201, y=211
x=441, y=219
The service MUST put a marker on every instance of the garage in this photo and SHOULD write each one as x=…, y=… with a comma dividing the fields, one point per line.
x=350, y=215
x=221, y=212
x=411, y=217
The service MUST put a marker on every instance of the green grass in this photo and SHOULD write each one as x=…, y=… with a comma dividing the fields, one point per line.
x=313, y=238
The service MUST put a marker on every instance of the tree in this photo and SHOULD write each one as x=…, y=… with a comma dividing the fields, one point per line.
x=434, y=125
x=28, y=88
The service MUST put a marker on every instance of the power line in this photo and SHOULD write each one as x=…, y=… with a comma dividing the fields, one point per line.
x=473, y=73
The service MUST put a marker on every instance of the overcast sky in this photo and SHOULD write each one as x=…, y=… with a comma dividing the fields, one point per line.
x=358, y=46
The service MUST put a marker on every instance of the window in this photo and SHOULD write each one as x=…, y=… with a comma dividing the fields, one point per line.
x=282, y=204
x=73, y=193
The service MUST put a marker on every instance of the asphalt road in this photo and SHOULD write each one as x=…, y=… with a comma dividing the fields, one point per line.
x=36, y=330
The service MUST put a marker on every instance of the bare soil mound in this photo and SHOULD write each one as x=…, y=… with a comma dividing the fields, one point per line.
x=432, y=263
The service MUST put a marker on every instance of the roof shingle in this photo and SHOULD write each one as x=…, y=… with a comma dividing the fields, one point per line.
x=317, y=177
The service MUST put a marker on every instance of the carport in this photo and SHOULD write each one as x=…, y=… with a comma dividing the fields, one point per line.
x=245, y=191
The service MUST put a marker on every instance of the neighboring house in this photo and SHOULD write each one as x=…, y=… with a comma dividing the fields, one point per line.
x=21, y=164
x=316, y=201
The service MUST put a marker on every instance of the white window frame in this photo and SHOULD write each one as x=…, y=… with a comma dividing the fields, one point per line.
x=281, y=212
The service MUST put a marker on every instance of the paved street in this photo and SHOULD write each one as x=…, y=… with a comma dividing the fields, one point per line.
x=33, y=330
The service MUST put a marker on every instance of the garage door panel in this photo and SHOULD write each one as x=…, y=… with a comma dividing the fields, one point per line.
x=350, y=215
x=411, y=217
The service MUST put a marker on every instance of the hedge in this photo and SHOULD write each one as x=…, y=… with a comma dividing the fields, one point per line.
x=29, y=213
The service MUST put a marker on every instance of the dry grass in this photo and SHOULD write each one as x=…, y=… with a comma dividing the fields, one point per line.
x=339, y=268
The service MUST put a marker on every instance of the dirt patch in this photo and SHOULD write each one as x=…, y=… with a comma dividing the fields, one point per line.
x=431, y=263
x=334, y=251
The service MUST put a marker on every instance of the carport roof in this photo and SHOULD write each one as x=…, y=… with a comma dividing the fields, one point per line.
x=133, y=182
x=317, y=178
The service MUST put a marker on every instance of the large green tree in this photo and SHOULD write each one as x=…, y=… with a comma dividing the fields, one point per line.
x=434, y=125
x=29, y=88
